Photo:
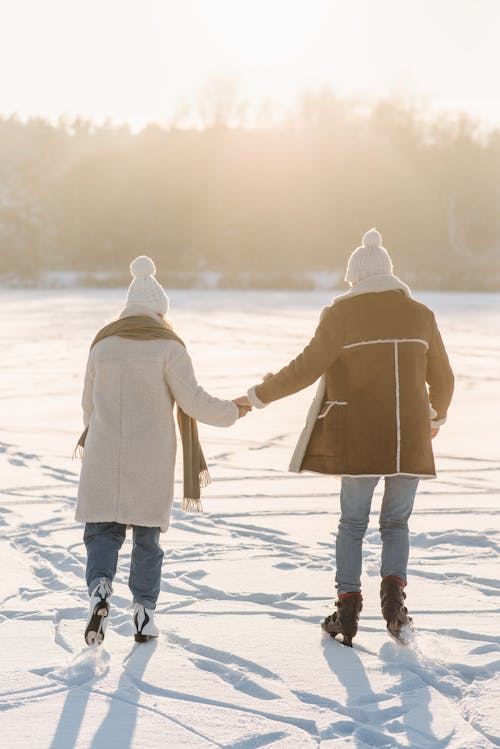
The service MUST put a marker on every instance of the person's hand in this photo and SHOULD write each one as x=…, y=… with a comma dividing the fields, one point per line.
x=434, y=432
x=244, y=405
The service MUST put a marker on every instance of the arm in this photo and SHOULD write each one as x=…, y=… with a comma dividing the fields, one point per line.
x=88, y=391
x=439, y=377
x=191, y=397
x=315, y=359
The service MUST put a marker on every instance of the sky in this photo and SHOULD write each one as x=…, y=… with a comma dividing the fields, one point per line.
x=148, y=60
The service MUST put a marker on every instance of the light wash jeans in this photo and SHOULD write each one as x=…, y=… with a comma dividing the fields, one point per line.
x=355, y=501
x=104, y=541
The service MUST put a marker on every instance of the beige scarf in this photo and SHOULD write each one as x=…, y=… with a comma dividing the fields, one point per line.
x=196, y=476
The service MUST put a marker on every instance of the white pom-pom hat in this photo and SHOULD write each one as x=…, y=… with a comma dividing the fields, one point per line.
x=371, y=259
x=145, y=289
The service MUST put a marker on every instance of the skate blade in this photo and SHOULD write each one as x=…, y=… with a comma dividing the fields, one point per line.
x=402, y=635
x=330, y=628
x=94, y=638
x=145, y=638
x=94, y=633
x=344, y=639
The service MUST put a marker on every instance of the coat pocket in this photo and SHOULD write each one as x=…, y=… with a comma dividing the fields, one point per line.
x=327, y=407
x=329, y=433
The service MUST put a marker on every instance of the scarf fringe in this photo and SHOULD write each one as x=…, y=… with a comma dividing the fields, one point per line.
x=192, y=505
x=205, y=479
x=189, y=504
x=80, y=445
x=78, y=452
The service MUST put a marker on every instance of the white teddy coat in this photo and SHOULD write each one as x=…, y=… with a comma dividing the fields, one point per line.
x=130, y=387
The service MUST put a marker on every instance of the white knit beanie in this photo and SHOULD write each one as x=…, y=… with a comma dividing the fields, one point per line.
x=145, y=289
x=371, y=259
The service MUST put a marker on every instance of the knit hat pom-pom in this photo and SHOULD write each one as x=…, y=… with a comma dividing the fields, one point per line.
x=142, y=267
x=372, y=239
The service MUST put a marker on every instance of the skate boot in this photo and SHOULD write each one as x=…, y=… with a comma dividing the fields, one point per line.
x=144, y=627
x=344, y=621
x=98, y=612
x=394, y=611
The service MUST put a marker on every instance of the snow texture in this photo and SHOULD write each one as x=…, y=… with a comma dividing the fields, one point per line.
x=241, y=661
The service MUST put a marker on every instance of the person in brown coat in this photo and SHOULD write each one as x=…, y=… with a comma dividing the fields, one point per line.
x=384, y=391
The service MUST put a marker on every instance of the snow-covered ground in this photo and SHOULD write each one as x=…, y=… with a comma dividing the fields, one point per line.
x=241, y=661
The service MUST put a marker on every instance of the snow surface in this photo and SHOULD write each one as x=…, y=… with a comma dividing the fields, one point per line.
x=241, y=661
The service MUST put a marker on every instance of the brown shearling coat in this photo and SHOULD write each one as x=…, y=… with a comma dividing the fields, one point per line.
x=386, y=375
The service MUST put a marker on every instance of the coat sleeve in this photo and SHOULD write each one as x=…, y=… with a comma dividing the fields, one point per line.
x=191, y=397
x=88, y=391
x=439, y=376
x=315, y=359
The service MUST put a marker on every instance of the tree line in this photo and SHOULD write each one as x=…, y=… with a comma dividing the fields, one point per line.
x=267, y=204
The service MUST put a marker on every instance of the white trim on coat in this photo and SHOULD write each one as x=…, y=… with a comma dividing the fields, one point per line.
x=312, y=415
x=385, y=475
x=388, y=340
x=329, y=405
x=254, y=398
x=398, y=414
x=436, y=423
x=370, y=285
x=374, y=284
x=395, y=342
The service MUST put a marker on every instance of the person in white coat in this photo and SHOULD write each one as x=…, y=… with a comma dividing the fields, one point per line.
x=136, y=370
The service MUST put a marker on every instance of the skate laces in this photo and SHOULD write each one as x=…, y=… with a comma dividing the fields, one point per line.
x=135, y=607
x=103, y=589
x=349, y=604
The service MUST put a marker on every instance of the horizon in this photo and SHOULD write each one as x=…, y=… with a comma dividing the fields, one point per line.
x=192, y=121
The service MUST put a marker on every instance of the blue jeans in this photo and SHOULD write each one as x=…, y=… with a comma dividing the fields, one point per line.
x=355, y=501
x=104, y=541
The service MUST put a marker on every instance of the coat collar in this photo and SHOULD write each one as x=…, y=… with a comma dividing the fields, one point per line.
x=134, y=310
x=375, y=284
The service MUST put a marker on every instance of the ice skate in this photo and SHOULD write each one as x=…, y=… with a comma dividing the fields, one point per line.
x=144, y=627
x=394, y=611
x=344, y=621
x=98, y=613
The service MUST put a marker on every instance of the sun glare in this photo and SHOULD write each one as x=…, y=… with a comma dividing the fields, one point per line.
x=140, y=60
x=270, y=47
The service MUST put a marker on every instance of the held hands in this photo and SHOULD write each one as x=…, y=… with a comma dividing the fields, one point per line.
x=244, y=405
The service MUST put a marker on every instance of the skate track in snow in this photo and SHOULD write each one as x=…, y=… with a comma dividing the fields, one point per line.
x=241, y=661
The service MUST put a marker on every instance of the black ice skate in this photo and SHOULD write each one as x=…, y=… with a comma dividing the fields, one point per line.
x=344, y=621
x=98, y=612
x=394, y=611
